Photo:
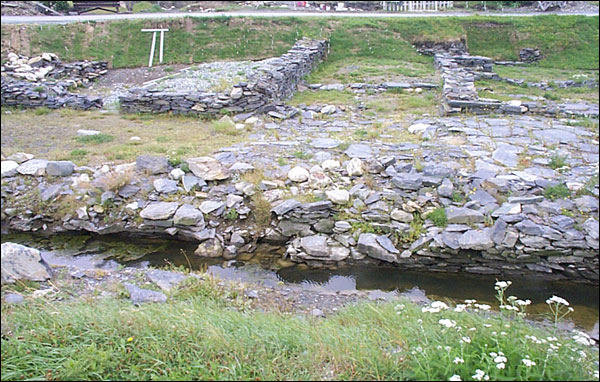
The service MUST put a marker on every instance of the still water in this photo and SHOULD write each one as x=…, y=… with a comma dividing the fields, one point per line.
x=266, y=266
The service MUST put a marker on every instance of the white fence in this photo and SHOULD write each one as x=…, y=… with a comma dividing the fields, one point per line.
x=416, y=6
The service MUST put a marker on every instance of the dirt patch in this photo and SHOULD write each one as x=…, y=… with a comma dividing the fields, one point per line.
x=137, y=76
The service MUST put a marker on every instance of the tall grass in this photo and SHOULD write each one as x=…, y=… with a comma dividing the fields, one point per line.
x=202, y=333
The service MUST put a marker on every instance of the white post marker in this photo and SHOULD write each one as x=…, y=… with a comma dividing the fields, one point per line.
x=161, y=47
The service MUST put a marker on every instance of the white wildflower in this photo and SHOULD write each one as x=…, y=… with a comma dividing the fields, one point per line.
x=502, y=284
x=480, y=375
x=557, y=300
x=501, y=365
x=523, y=302
x=458, y=360
x=447, y=323
x=500, y=359
x=470, y=302
x=527, y=362
x=439, y=305
x=460, y=308
x=482, y=306
x=455, y=378
x=466, y=339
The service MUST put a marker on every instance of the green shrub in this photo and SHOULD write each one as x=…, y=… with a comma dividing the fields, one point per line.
x=557, y=161
x=438, y=217
x=560, y=191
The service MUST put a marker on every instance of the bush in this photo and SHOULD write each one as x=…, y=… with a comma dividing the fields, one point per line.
x=438, y=217
x=560, y=191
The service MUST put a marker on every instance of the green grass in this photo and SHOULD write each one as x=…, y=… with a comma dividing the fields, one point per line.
x=438, y=217
x=225, y=127
x=95, y=139
x=560, y=191
x=359, y=46
x=557, y=161
x=205, y=333
x=334, y=97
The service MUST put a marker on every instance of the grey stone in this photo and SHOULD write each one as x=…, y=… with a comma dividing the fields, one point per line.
x=534, y=241
x=9, y=168
x=461, y=215
x=529, y=228
x=324, y=226
x=359, y=150
x=446, y=189
x=450, y=239
x=587, y=203
x=505, y=157
x=60, y=168
x=387, y=244
x=478, y=240
x=525, y=199
x=152, y=164
x=165, y=186
x=315, y=245
x=411, y=182
x=159, y=210
x=286, y=206
x=368, y=244
x=20, y=157
x=507, y=209
x=209, y=206
x=237, y=239
x=499, y=231
x=34, y=167
x=139, y=295
x=337, y=253
x=13, y=298
x=210, y=248
x=563, y=222
x=298, y=174
x=482, y=197
x=401, y=216
x=324, y=143
x=591, y=228
x=207, y=168
x=50, y=192
x=338, y=196
x=191, y=181
x=188, y=215
x=166, y=280
x=128, y=191
x=22, y=263
x=289, y=228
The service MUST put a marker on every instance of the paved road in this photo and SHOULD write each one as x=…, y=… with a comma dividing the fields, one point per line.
x=72, y=19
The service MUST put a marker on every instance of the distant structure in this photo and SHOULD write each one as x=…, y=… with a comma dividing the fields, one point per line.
x=416, y=6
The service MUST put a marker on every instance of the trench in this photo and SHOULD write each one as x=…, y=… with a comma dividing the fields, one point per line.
x=265, y=265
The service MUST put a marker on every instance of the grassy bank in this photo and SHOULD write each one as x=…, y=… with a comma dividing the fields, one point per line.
x=568, y=42
x=205, y=332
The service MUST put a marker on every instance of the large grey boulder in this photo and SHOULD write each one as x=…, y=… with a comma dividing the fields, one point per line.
x=60, y=168
x=159, y=210
x=34, y=167
x=478, y=240
x=209, y=248
x=369, y=245
x=9, y=167
x=22, y=263
x=152, y=164
x=461, y=215
x=188, y=215
x=165, y=279
x=207, y=168
x=165, y=186
x=359, y=150
x=315, y=245
x=139, y=295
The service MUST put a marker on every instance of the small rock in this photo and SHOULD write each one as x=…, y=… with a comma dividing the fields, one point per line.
x=298, y=174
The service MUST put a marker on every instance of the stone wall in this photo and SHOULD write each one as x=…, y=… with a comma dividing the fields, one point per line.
x=526, y=235
x=26, y=94
x=274, y=82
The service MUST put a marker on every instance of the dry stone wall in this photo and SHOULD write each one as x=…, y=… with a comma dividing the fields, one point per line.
x=275, y=81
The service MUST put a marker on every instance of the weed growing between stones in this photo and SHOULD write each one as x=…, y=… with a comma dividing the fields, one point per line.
x=560, y=191
x=438, y=217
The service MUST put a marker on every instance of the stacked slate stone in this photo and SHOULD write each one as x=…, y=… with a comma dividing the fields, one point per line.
x=48, y=65
x=530, y=55
x=270, y=83
x=30, y=95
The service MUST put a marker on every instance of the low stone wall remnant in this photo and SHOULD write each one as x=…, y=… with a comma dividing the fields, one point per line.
x=274, y=82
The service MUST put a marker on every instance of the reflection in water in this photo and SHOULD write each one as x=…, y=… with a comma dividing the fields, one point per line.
x=455, y=287
x=107, y=252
